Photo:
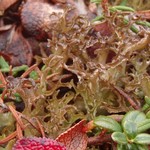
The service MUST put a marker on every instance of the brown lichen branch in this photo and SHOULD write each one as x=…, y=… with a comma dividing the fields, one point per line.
x=40, y=127
x=20, y=126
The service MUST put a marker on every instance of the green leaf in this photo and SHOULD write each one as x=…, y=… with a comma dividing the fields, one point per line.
x=130, y=128
x=143, y=23
x=144, y=125
x=17, y=97
x=127, y=147
x=34, y=75
x=148, y=114
x=134, y=116
x=147, y=100
x=145, y=107
x=98, y=18
x=132, y=146
x=96, y=1
x=3, y=64
x=133, y=27
x=123, y=2
x=142, y=138
x=121, y=147
x=123, y=8
x=4, y=67
x=107, y=123
x=142, y=147
x=119, y=137
x=17, y=69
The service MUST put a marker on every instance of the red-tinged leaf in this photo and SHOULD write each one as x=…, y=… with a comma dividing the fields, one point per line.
x=104, y=28
x=74, y=138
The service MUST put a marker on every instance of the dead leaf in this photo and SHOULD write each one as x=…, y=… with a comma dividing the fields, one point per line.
x=58, y=1
x=18, y=49
x=6, y=33
x=4, y=4
x=145, y=14
x=104, y=28
x=74, y=138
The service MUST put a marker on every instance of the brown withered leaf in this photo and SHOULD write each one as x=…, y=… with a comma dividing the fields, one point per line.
x=104, y=28
x=75, y=137
x=18, y=48
x=58, y=1
x=14, y=47
x=5, y=35
x=144, y=14
x=4, y=4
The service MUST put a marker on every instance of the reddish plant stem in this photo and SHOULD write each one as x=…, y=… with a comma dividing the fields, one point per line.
x=19, y=131
x=131, y=101
x=29, y=70
x=8, y=138
x=40, y=127
x=3, y=93
x=2, y=79
x=104, y=5
x=97, y=140
x=17, y=117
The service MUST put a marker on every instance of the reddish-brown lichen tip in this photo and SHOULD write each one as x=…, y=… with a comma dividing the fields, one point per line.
x=36, y=143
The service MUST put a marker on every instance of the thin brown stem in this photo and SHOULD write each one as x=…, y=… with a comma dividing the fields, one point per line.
x=28, y=71
x=19, y=131
x=126, y=96
x=8, y=138
x=97, y=140
x=16, y=116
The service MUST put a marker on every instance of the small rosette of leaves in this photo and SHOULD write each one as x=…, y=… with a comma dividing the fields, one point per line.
x=128, y=134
